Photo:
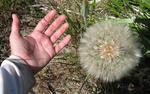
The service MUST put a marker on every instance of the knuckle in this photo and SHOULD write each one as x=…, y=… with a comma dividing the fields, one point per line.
x=43, y=22
x=54, y=37
x=10, y=38
x=45, y=19
x=53, y=26
x=59, y=47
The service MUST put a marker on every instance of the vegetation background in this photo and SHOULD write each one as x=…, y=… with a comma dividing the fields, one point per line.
x=64, y=75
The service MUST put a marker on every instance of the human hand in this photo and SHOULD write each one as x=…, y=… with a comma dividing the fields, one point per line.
x=39, y=47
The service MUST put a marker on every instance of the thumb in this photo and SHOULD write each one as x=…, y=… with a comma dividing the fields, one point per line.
x=15, y=29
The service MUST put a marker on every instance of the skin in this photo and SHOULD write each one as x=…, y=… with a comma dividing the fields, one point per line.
x=39, y=47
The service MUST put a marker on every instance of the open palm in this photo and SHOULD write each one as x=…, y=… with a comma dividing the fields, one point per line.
x=39, y=47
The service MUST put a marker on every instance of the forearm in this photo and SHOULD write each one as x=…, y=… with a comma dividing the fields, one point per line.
x=15, y=76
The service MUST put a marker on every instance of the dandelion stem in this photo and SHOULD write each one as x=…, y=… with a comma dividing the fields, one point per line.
x=85, y=80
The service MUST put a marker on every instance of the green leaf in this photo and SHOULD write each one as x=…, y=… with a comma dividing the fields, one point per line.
x=118, y=20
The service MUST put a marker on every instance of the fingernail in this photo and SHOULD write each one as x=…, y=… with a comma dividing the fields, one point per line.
x=13, y=15
x=66, y=25
x=63, y=16
x=69, y=36
x=53, y=11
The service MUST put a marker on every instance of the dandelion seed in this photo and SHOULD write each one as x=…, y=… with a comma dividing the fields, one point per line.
x=108, y=51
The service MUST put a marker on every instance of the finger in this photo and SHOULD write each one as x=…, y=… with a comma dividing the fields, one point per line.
x=15, y=29
x=47, y=45
x=62, y=44
x=55, y=25
x=59, y=32
x=45, y=21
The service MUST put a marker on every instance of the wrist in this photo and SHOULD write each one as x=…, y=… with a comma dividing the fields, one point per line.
x=22, y=61
x=15, y=57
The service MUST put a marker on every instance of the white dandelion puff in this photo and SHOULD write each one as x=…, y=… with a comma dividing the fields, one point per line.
x=108, y=51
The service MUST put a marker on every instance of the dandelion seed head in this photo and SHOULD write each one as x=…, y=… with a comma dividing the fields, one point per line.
x=108, y=51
